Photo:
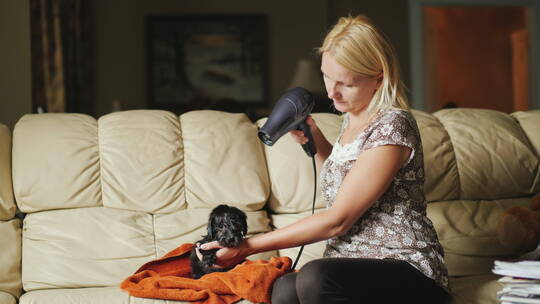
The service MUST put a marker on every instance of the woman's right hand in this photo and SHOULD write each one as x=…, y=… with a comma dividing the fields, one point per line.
x=299, y=136
x=225, y=256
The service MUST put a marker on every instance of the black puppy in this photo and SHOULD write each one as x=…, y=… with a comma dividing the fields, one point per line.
x=228, y=226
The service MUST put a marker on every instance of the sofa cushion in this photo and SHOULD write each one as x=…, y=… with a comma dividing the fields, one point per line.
x=10, y=257
x=224, y=161
x=467, y=231
x=98, y=295
x=7, y=204
x=6, y=298
x=494, y=157
x=291, y=170
x=142, y=166
x=84, y=247
x=480, y=289
x=442, y=177
x=56, y=162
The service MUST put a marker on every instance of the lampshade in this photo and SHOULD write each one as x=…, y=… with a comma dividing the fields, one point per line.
x=307, y=76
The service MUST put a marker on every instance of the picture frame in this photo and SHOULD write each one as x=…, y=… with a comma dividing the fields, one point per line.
x=207, y=62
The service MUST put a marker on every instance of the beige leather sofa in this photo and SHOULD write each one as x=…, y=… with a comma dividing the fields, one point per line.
x=102, y=197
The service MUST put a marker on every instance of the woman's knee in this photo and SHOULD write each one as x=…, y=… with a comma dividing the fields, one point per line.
x=284, y=290
x=315, y=269
x=313, y=278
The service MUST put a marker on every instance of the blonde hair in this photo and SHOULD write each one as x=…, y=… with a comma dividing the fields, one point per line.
x=359, y=46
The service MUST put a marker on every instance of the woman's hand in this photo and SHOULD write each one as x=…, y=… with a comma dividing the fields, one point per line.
x=323, y=147
x=226, y=256
x=299, y=136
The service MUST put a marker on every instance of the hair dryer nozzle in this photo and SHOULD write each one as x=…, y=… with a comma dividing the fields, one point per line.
x=265, y=138
x=290, y=111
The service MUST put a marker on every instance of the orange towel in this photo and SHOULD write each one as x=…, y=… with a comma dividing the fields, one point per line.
x=169, y=278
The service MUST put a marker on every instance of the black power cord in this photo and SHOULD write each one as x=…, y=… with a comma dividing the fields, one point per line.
x=312, y=206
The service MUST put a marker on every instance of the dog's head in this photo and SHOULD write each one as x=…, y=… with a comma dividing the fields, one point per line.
x=227, y=225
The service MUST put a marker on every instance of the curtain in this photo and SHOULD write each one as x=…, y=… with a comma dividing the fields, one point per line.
x=62, y=56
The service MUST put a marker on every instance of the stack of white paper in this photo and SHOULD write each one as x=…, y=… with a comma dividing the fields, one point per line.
x=521, y=282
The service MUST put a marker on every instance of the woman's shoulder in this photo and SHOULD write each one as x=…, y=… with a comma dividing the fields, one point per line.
x=396, y=116
x=396, y=112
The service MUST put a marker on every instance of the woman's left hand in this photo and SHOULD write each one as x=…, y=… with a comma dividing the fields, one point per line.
x=226, y=256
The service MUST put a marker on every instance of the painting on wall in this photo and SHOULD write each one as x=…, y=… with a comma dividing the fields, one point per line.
x=206, y=62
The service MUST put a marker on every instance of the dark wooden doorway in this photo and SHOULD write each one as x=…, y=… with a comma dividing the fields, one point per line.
x=476, y=57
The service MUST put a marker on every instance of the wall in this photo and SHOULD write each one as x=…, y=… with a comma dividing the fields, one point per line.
x=120, y=70
x=295, y=28
x=15, y=77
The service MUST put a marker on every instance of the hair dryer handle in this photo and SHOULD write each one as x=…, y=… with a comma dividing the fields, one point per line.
x=308, y=147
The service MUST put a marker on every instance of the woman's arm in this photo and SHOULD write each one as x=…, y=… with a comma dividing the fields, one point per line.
x=367, y=180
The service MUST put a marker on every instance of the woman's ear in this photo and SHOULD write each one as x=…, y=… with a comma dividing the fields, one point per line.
x=379, y=78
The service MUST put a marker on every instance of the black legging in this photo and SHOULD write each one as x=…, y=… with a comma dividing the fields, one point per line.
x=354, y=280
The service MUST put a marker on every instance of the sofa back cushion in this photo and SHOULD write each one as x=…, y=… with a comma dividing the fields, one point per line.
x=56, y=162
x=442, y=176
x=141, y=161
x=224, y=160
x=493, y=154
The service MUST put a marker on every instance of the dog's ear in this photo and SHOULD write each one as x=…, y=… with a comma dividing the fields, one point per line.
x=244, y=223
x=209, y=232
x=210, y=227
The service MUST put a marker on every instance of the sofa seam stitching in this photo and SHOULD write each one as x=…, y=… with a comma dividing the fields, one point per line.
x=181, y=135
x=154, y=235
x=263, y=152
x=100, y=161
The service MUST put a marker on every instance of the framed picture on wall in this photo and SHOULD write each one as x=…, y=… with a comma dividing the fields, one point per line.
x=206, y=62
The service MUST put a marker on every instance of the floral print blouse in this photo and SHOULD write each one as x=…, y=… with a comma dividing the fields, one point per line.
x=396, y=225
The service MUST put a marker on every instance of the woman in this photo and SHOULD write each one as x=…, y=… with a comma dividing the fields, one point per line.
x=381, y=247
